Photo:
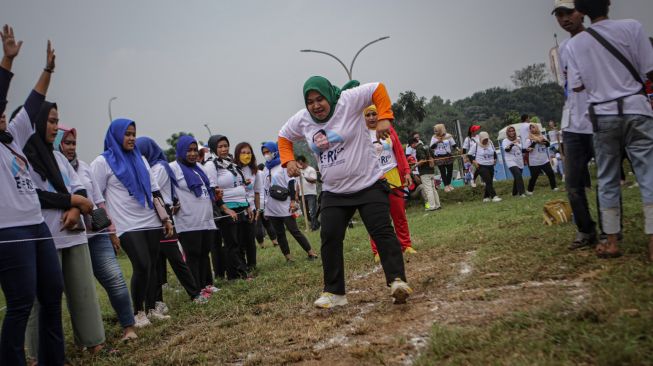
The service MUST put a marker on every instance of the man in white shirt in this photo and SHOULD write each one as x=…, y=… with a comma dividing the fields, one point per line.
x=309, y=188
x=620, y=111
x=576, y=132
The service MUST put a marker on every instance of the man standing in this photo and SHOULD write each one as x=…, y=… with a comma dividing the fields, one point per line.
x=309, y=188
x=577, y=134
x=608, y=61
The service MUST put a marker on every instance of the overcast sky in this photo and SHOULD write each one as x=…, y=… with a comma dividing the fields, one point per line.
x=236, y=65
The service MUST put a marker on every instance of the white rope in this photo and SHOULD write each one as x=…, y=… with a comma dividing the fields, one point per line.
x=104, y=231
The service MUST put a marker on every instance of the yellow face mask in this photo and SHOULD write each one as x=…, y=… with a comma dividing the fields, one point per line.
x=245, y=158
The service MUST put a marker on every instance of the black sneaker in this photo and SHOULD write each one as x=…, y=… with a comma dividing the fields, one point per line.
x=583, y=241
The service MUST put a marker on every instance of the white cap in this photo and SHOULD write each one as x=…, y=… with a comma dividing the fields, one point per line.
x=567, y=4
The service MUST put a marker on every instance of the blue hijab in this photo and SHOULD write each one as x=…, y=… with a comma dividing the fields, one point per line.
x=154, y=155
x=128, y=166
x=274, y=149
x=194, y=175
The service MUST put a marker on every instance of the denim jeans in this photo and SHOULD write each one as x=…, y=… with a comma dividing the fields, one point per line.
x=30, y=270
x=108, y=272
x=311, y=203
x=612, y=134
x=579, y=150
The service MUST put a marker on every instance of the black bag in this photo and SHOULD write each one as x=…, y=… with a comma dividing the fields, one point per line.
x=279, y=193
x=99, y=219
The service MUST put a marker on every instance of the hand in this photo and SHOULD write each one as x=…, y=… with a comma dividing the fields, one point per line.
x=257, y=214
x=115, y=241
x=10, y=47
x=409, y=181
x=49, y=64
x=82, y=203
x=293, y=169
x=293, y=206
x=168, y=230
x=232, y=213
x=250, y=214
x=70, y=218
x=383, y=129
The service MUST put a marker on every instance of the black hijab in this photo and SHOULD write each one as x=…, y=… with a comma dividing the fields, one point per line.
x=40, y=153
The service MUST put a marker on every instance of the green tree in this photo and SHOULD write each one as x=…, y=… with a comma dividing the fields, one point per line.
x=409, y=112
x=531, y=75
x=171, y=152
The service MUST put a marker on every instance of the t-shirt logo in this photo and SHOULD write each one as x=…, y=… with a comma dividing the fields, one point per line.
x=24, y=184
x=326, y=145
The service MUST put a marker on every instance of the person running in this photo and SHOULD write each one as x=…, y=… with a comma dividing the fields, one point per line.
x=169, y=250
x=228, y=178
x=194, y=219
x=246, y=161
x=470, y=140
x=136, y=207
x=426, y=167
x=484, y=157
x=102, y=246
x=619, y=109
x=280, y=201
x=29, y=266
x=56, y=179
x=334, y=129
x=309, y=188
x=443, y=146
x=512, y=148
x=397, y=173
x=537, y=147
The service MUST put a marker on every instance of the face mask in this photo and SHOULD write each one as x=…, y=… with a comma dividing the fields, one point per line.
x=268, y=157
x=245, y=158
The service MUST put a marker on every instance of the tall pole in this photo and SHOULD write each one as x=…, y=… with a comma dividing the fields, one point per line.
x=111, y=100
x=349, y=70
x=208, y=129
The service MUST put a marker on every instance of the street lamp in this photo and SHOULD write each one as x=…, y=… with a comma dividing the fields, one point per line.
x=111, y=100
x=349, y=70
x=208, y=129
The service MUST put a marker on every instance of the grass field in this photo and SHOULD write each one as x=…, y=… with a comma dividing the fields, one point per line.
x=492, y=286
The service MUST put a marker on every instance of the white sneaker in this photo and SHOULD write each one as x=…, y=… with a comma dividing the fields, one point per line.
x=212, y=289
x=486, y=200
x=523, y=196
x=473, y=184
x=141, y=320
x=496, y=199
x=400, y=291
x=556, y=189
x=153, y=314
x=529, y=193
x=161, y=307
x=328, y=300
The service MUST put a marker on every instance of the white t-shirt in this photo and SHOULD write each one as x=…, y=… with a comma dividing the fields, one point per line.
x=483, y=155
x=514, y=156
x=62, y=239
x=86, y=177
x=195, y=213
x=259, y=187
x=19, y=204
x=443, y=147
x=524, y=130
x=384, y=153
x=342, y=145
x=554, y=136
x=252, y=185
x=539, y=155
x=468, y=143
x=233, y=186
x=126, y=212
x=603, y=75
x=575, y=117
x=276, y=176
x=309, y=188
x=163, y=181
x=410, y=151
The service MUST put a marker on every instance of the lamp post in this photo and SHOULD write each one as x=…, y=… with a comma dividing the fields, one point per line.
x=349, y=70
x=208, y=129
x=111, y=100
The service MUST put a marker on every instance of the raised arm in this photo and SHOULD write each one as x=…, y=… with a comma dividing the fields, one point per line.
x=10, y=49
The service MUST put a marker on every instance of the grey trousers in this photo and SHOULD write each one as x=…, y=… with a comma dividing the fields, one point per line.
x=612, y=135
x=81, y=298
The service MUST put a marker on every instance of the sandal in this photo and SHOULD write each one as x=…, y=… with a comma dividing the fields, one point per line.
x=603, y=253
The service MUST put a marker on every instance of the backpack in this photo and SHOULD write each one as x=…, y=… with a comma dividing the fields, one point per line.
x=557, y=212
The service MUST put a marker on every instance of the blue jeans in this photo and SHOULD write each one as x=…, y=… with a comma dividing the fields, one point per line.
x=579, y=150
x=30, y=270
x=108, y=272
x=612, y=135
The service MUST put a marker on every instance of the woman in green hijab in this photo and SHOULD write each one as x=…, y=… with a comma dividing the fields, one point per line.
x=335, y=130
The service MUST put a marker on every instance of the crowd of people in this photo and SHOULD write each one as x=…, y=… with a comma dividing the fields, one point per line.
x=65, y=220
